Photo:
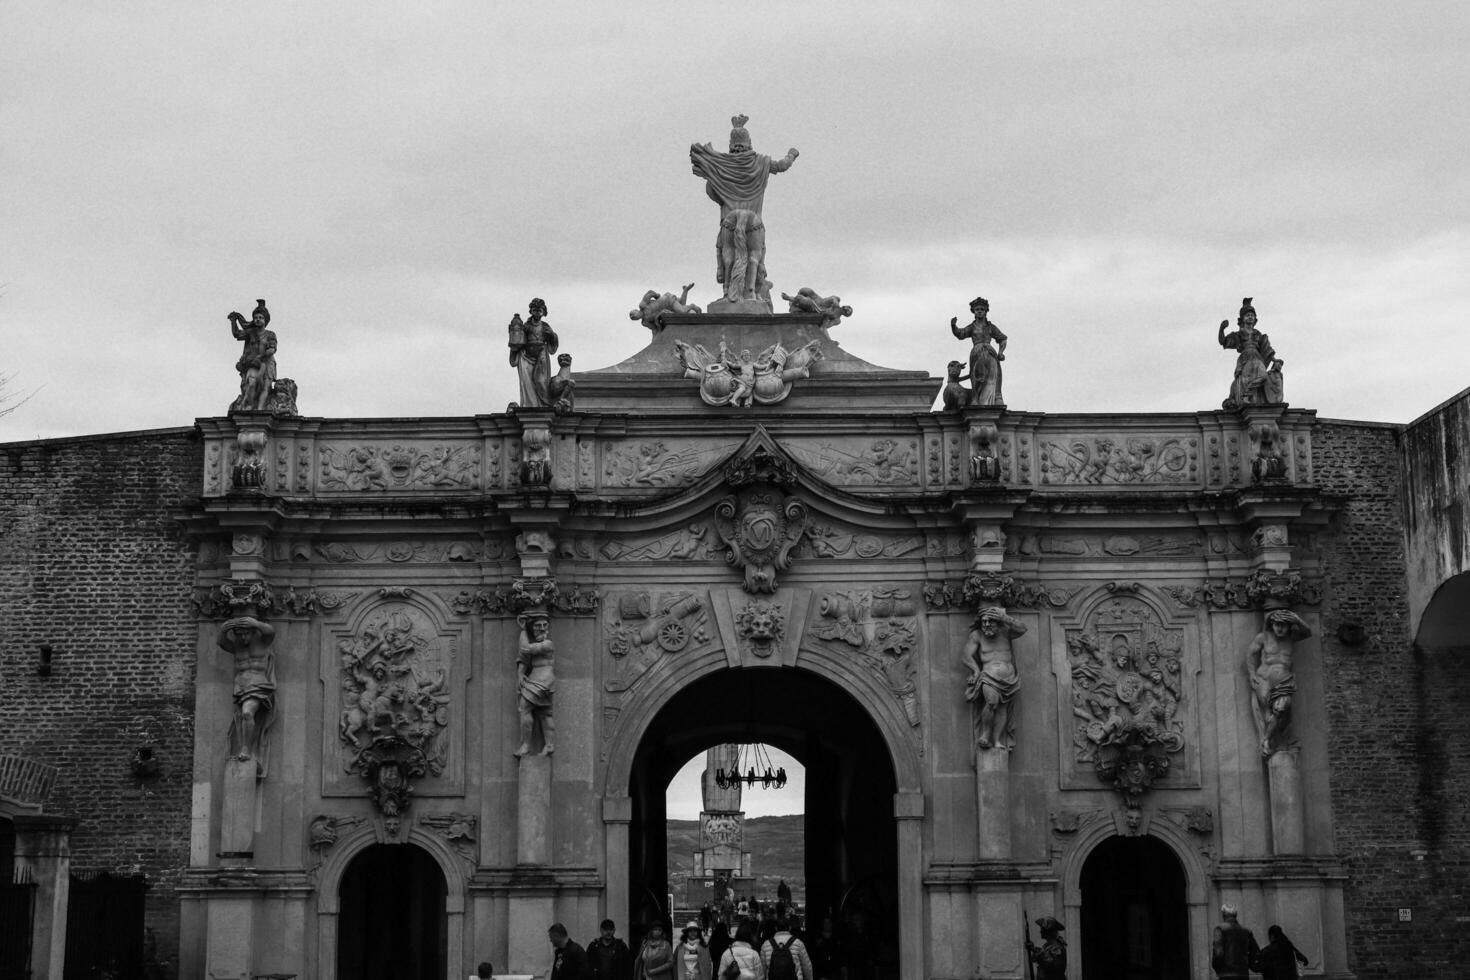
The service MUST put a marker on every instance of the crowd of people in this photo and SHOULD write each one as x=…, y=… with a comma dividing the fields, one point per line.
x=769, y=945
x=765, y=944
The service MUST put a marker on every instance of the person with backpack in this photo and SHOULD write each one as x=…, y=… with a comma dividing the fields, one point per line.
x=785, y=957
x=741, y=961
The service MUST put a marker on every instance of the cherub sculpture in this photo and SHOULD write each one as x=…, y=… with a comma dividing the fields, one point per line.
x=740, y=380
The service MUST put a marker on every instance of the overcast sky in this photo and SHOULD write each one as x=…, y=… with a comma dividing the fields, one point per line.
x=397, y=180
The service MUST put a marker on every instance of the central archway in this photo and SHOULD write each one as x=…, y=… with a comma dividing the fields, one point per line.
x=851, y=847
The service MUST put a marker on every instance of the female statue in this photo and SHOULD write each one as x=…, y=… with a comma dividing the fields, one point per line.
x=984, y=359
x=531, y=345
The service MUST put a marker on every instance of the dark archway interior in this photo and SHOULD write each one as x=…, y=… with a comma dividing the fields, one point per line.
x=1135, y=920
x=851, y=841
x=1445, y=624
x=391, y=923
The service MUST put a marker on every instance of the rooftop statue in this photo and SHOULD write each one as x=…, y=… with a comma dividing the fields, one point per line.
x=653, y=306
x=257, y=364
x=807, y=300
x=532, y=343
x=1257, y=370
x=984, y=360
x=736, y=181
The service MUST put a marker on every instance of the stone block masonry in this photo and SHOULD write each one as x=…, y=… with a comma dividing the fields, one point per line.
x=93, y=564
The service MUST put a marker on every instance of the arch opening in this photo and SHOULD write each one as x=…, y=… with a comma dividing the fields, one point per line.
x=1445, y=623
x=393, y=921
x=849, y=838
x=1135, y=916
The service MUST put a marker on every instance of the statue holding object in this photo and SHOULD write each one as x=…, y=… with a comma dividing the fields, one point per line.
x=736, y=181
x=532, y=343
x=257, y=363
x=985, y=374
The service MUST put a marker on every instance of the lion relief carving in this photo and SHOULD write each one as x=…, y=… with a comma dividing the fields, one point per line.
x=761, y=627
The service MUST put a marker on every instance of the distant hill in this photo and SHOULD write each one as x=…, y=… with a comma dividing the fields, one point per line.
x=776, y=846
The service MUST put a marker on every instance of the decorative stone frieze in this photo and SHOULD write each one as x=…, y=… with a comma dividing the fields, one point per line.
x=312, y=601
x=380, y=469
x=989, y=589
x=889, y=461
x=659, y=464
x=228, y=597
x=1088, y=459
x=692, y=543
x=828, y=540
x=1261, y=589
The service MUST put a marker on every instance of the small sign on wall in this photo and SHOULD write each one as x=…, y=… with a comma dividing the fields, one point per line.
x=1406, y=915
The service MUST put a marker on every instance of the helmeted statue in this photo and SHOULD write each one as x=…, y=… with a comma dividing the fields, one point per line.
x=1257, y=379
x=257, y=363
x=736, y=181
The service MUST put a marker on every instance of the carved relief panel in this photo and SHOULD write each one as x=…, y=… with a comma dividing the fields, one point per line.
x=1126, y=674
x=345, y=468
x=880, y=628
x=394, y=676
x=642, y=627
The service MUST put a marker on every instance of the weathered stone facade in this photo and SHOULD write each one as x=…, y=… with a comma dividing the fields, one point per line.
x=812, y=570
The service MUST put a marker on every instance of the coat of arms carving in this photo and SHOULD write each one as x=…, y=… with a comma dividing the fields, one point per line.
x=759, y=527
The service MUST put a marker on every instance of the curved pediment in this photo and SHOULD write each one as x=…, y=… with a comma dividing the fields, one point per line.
x=759, y=508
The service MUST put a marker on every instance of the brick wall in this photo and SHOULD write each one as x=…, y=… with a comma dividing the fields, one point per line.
x=1399, y=734
x=92, y=563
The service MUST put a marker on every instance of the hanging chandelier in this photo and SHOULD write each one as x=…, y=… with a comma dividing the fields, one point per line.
x=758, y=771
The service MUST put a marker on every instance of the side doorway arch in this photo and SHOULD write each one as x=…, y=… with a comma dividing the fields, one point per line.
x=1135, y=916
x=392, y=922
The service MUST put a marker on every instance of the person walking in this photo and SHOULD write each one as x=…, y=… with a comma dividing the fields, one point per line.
x=784, y=956
x=1278, y=961
x=571, y=959
x=655, y=959
x=741, y=961
x=1234, y=949
x=608, y=956
x=691, y=957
